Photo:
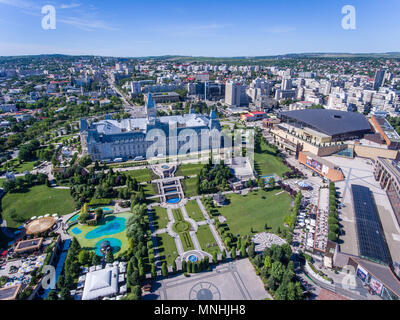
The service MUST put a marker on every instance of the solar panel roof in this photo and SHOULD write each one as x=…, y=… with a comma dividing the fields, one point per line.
x=371, y=239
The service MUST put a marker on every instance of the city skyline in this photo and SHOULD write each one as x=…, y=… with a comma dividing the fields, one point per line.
x=132, y=29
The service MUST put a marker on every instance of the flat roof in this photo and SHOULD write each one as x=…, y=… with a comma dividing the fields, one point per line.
x=387, y=128
x=9, y=293
x=370, y=236
x=330, y=122
x=382, y=273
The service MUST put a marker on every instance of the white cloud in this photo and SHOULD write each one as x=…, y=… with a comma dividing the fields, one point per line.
x=17, y=3
x=70, y=6
x=87, y=24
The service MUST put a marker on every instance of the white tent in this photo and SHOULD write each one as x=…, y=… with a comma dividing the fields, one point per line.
x=101, y=283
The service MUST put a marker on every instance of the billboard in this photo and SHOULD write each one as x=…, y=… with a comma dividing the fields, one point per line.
x=376, y=286
x=362, y=273
x=314, y=164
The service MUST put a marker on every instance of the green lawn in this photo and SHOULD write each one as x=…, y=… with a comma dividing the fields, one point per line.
x=160, y=217
x=90, y=243
x=167, y=248
x=189, y=187
x=150, y=189
x=186, y=241
x=266, y=162
x=184, y=235
x=189, y=169
x=194, y=211
x=20, y=168
x=37, y=201
x=206, y=239
x=141, y=175
x=252, y=211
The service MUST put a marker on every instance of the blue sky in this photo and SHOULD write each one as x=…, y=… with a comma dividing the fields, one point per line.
x=130, y=28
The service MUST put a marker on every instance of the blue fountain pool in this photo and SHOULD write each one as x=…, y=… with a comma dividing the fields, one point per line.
x=113, y=225
x=115, y=244
x=173, y=200
x=76, y=230
x=192, y=258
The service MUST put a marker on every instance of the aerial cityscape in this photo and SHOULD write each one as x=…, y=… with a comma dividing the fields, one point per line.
x=165, y=170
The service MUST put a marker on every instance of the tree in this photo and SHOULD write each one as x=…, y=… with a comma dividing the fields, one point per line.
x=84, y=257
x=281, y=292
x=164, y=269
x=243, y=250
x=233, y=253
x=95, y=260
x=223, y=255
x=277, y=270
x=215, y=257
x=153, y=271
x=52, y=295
x=133, y=278
x=184, y=266
x=65, y=294
x=109, y=256
x=267, y=262
x=251, y=251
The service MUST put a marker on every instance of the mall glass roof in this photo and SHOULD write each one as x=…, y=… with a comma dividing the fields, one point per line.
x=371, y=239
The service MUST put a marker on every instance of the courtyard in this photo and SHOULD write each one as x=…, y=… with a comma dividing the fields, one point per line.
x=235, y=280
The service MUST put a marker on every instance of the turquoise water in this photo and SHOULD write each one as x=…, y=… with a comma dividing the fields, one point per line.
x=193, y=258
x=74, y=218
x=113, y=225
x=106, y=209
x=114, y=243
x=165, y=167
x=76, y=230
x=173, y=200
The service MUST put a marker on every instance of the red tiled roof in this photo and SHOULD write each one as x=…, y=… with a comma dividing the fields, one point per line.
x=329, y=295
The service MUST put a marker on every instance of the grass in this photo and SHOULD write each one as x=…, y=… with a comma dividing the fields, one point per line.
x=194, y=211
x=267, y=162
x=252, y=211
x=206, y=239
x=160, y=217
x=189, y=169
x=37, y=201
x=189, y=187
x=90, y=243
x=21, y=167
x=186, y=241
x=141, y=175
x=178, y=216
x=167, y=248
x=184, y=234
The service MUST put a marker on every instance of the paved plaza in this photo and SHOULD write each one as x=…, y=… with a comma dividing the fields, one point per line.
x=235, y=280
x=359, y=171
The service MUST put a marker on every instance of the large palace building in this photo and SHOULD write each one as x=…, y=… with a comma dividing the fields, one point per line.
x=131, y=138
